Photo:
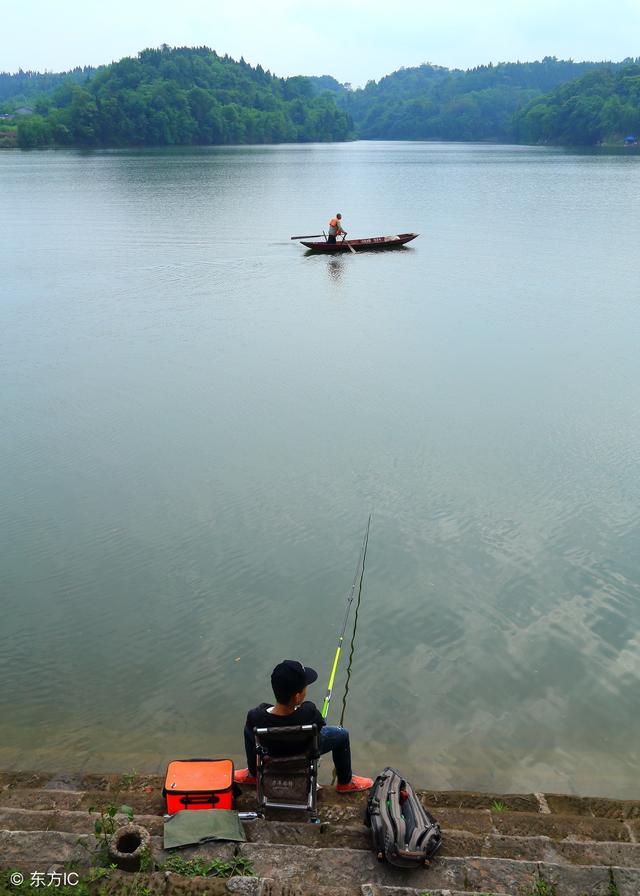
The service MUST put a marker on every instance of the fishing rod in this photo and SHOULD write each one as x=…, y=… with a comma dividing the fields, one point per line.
x=336, y=659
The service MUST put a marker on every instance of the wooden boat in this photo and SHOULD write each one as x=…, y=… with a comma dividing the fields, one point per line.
x=372, y=242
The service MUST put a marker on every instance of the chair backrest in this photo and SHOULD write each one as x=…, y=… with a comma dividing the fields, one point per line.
x=287, y=767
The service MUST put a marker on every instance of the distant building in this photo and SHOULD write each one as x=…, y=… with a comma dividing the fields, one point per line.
x=24, y=110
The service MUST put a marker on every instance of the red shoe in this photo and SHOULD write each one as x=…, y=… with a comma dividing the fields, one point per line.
x=242, y=776
x=355, y=784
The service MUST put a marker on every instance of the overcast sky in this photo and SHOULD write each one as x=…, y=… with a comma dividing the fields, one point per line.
x=354, y=40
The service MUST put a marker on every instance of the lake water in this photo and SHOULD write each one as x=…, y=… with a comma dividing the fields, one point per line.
x=197, y=420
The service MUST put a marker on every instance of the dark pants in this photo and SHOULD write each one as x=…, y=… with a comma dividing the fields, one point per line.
x=331, y=239
x=332, y=739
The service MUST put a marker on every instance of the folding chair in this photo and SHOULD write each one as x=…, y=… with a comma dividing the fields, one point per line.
x=287, y=767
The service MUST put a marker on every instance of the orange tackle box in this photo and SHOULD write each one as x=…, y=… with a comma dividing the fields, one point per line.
x=199, y=784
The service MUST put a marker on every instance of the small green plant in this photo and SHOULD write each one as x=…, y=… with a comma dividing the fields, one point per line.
x=613, y=887
x=127, y=885
x=200, y=867
x=195, y=867
x=543, y=888
x=498, y=806
x=105, y=826
x=99, y=873
x=146, y=860
x=128, y=780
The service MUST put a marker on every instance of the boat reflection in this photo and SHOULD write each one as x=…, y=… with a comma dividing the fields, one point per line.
x=335, y=267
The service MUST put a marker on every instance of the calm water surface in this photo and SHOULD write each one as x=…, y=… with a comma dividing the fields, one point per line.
x=197, y=419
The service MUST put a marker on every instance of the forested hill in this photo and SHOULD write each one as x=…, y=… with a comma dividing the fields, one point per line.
x=20, y=87
x=601, y=107
x=434, y=103
x=185, y=95
x=188, y=96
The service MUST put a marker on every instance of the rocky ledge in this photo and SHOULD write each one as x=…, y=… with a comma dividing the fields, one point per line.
x=510, y=844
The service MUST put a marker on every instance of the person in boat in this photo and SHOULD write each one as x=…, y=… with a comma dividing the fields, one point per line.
x=289, y=681
x=335, y=228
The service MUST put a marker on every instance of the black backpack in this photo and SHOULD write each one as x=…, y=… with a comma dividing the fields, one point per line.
x=402, y=830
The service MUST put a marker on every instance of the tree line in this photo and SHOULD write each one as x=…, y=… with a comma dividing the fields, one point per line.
x=601, y=107
x=19, y=88
x=182, y=96
x=483, y=104
x=186, y=96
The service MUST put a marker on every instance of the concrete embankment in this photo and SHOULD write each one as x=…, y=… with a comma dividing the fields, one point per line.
x=511, y=844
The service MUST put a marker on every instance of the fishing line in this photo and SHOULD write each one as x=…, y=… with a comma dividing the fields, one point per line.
x=351, y=647
x=356, y=581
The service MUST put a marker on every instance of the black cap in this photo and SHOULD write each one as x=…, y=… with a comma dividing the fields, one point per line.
x=291, y=676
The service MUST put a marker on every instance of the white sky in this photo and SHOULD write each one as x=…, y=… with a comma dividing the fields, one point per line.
x=353, y=40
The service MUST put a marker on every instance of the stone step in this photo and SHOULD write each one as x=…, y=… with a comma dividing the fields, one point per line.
x=37, y=850
x=579, y=827
x=554, y=803
x=42, y=800
x=588, y=818
x=296, y=867
x=596, y=807
x=25, y=798
x=558, y=827
x=239, y=886
x=252, y=886
x=121, y=883
x=455, y=843
x=318, y=836
x=128, y=786
x=541, y=849
x=371, y=890
x=466, y=799
x=482, y=821
x=348, y=867
x=71, y=822
x=524, y=824
x=263, y=886
x=350, y=807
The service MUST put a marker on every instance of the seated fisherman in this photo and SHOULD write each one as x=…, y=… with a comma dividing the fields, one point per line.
x=289, y=681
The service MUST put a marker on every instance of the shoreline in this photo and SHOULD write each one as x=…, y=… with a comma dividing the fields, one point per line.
x=616, y=788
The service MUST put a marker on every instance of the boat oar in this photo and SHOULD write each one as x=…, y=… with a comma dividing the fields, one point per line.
x=336, y=659
x=309, y=236
x=349, y=245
